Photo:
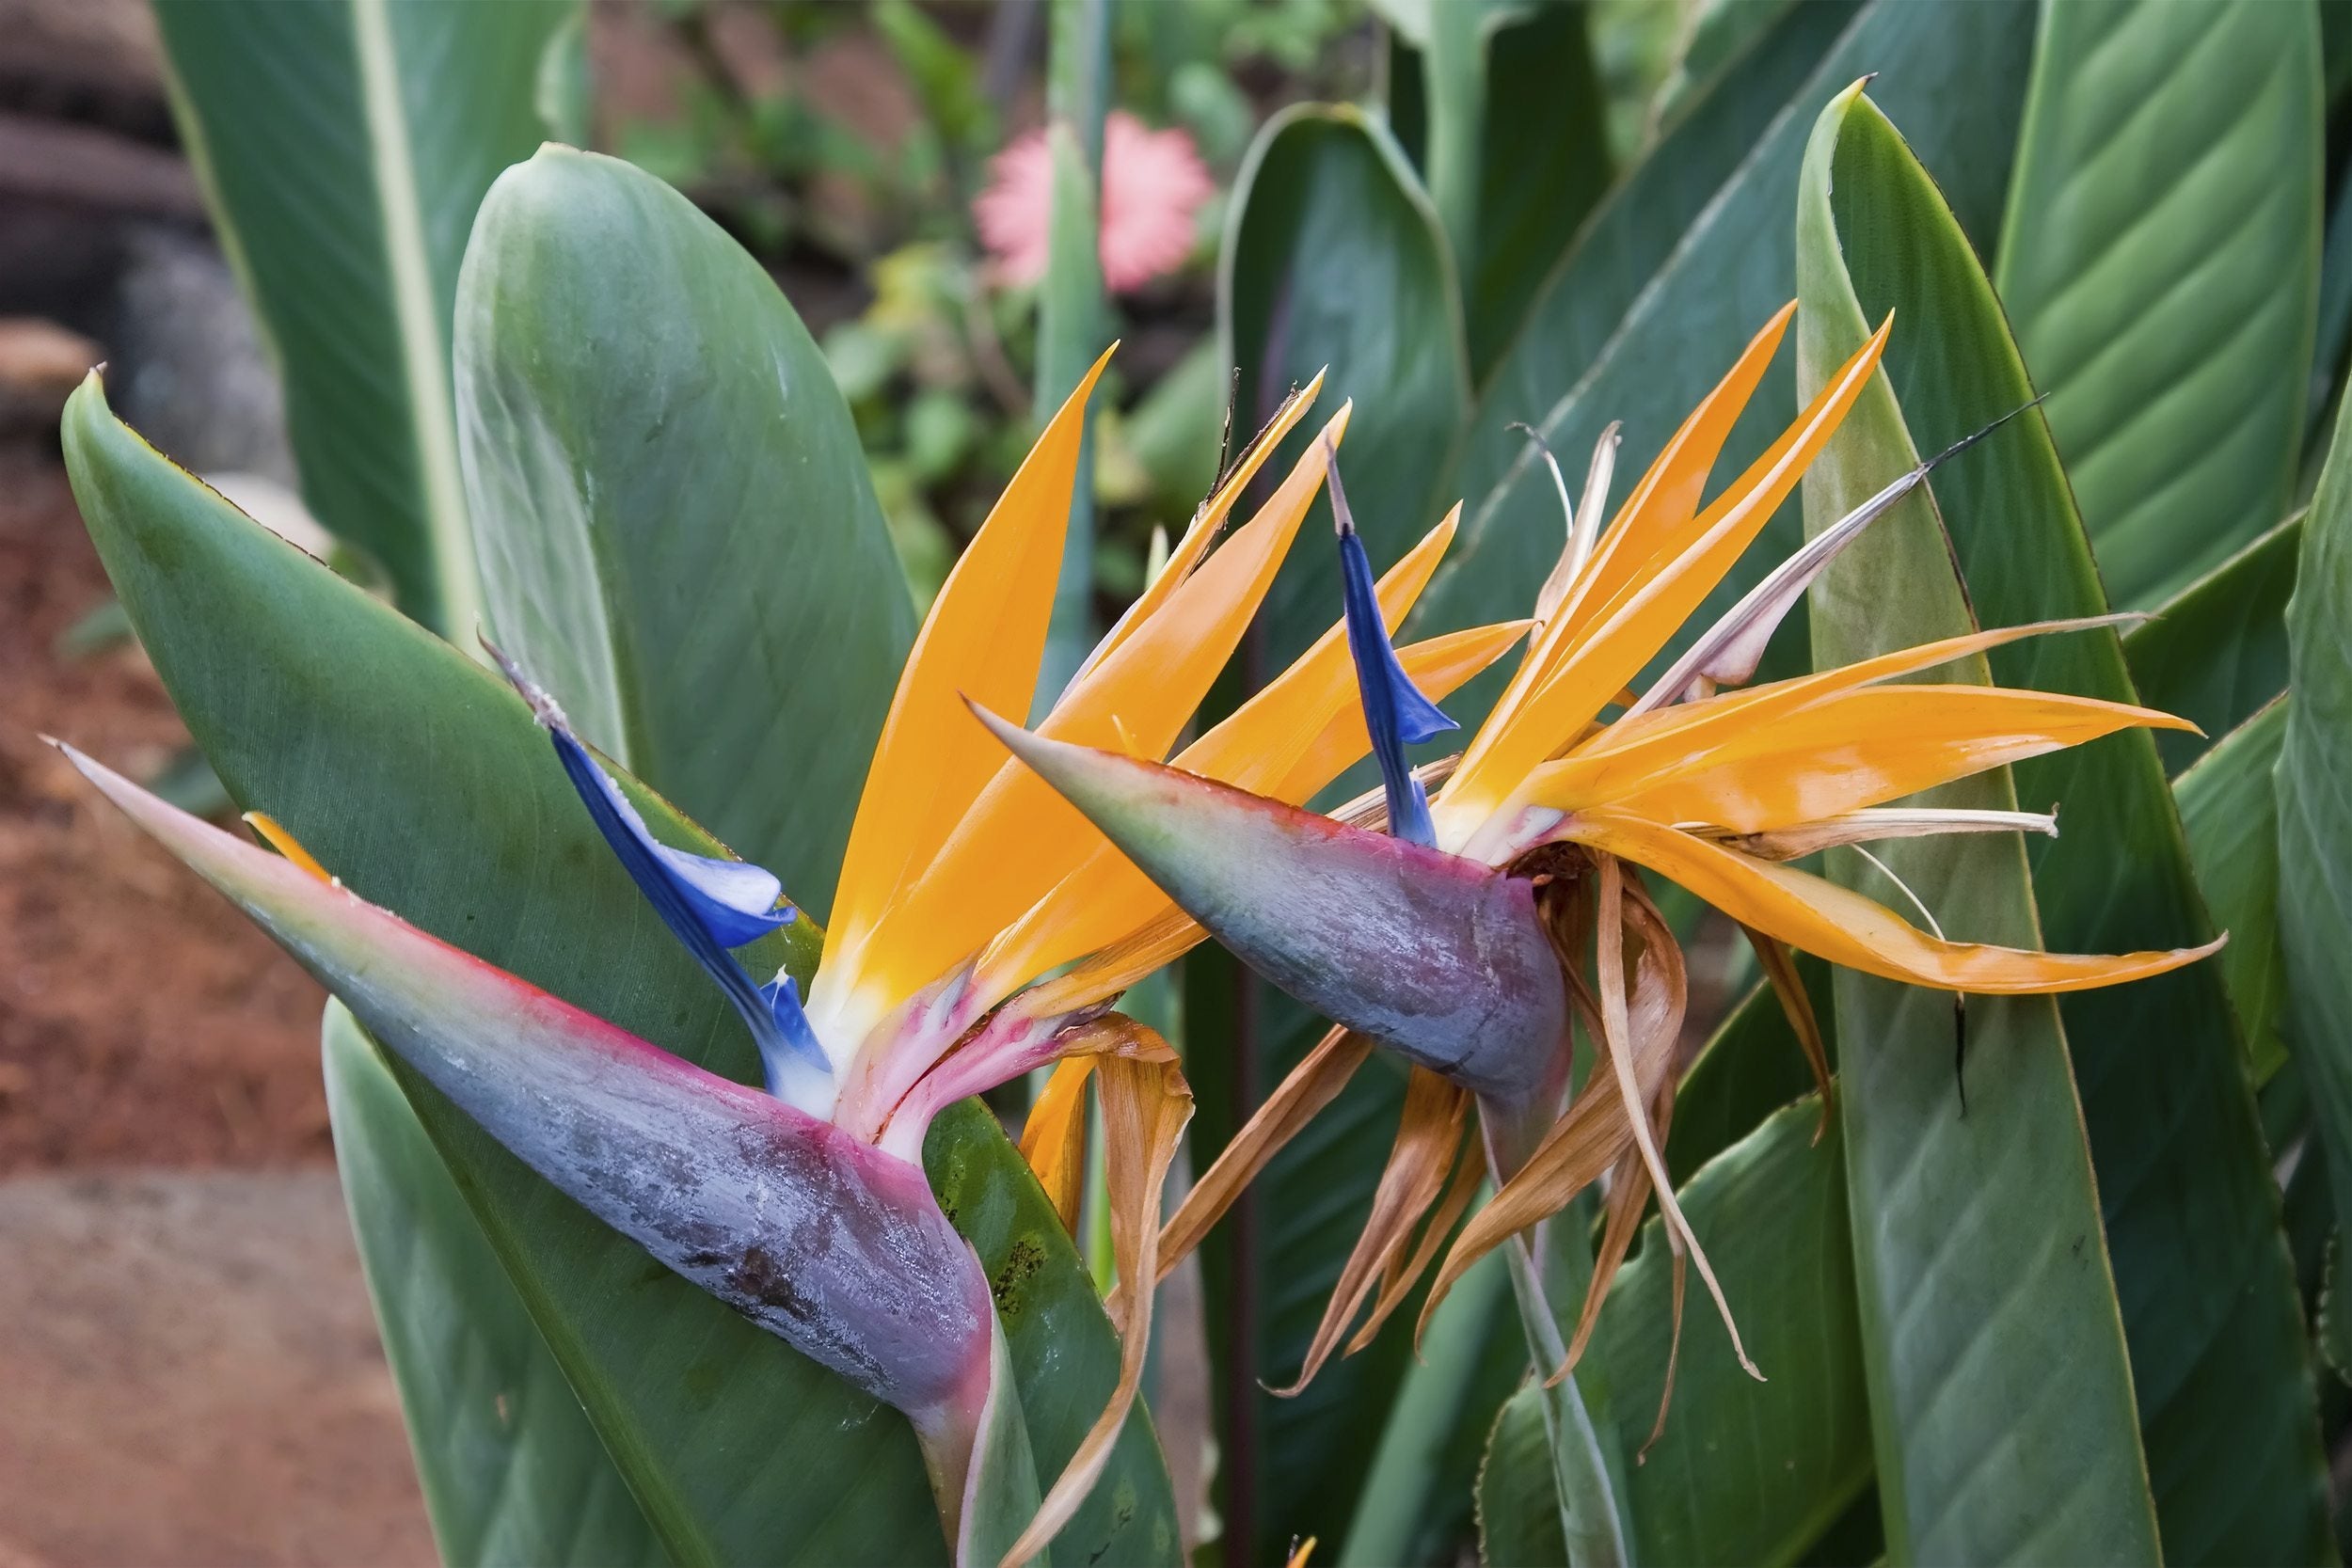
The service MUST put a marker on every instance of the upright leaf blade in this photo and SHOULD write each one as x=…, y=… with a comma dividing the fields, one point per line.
x=511, y=1468
x=2230, y=811
x=2217, y=651
x=1335, y=259
x=676, y=534
x=2205, y=1285
x=367, y=738
x=2314, y=773
x=1643, y=342
x=2160, y=262
x=1073, y=316
x=344, y=146
x=2001, y=1390
x=1543, y=164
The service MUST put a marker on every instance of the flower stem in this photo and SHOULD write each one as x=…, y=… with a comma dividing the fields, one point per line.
x=1555, y=1260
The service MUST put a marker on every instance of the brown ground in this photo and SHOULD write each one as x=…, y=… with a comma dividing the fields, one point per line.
x=189, y=1372
x=140, y=1021
x=189, y=1375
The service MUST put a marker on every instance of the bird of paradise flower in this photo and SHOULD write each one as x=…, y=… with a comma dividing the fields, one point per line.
x=965, y=879
x=1472, y=931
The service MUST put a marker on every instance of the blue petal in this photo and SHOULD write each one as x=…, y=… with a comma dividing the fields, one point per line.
x=1395, y=712
x=709, y=905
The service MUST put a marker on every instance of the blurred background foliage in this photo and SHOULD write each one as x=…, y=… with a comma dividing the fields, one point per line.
x=844, y=145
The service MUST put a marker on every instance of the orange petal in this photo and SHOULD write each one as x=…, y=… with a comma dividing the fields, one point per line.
x=1019, y=837
x=1860, y=749
x=1207, y=521
x=1053, y=1141
x=984, y=637
x=1817, y=916
x=1313, y=1083
x=1145, y=1107
x=1631, y=753
x=1665, y=497
x=1295, y=737
x=1428, y=1134
x=286, y=844
x=1612, y=646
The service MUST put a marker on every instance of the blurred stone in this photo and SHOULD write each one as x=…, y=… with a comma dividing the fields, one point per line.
x=82, y=165
x=40, y=362
x=94, y=60
x=193, y=1377
x=186, y=365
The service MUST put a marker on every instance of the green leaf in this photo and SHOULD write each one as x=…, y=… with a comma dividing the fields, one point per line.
x=2217, y=651
x=1519, y=1510
x=373, y=742
x=1074, y=317
x=2230, y=811
x=1002, y=1495
x=1503, y=110
x=2315, y=829
x=1646, y=315
x=1751, y=1067
x=2160, y=262
x=344, y=146
x=676, y=534
x=1065, y=1358
x=1335, y=259
x=513, y=1470
x=2000, y=1392
x=1543, y=163
x=1744, y=1472
x=1469, y=1363
x=2200, y=1269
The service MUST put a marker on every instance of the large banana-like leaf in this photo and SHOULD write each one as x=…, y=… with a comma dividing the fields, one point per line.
x=511, y=1468
x=1633, y=233
x=2218, y=650
x=1744, y=1472
x=2001, y=1390
x=1335, y=259
x=420, y=780
x=2205, y=1285
x=1638, y=326
x=345, y=144
x=676, y=534
x=2314, y=804
x=2230, y=810
x=2161, y=263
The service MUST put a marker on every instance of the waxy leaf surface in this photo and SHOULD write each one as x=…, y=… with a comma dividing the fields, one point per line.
x=2161, y=263
x=676, y=534
x=2201, y=1274
x=2000, y=1391
x=344, y=146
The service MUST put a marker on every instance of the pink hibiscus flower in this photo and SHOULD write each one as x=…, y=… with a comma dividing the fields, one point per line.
x=1153, y=185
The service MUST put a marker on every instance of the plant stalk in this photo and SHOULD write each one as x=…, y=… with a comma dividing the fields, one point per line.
x=1552, y=1262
